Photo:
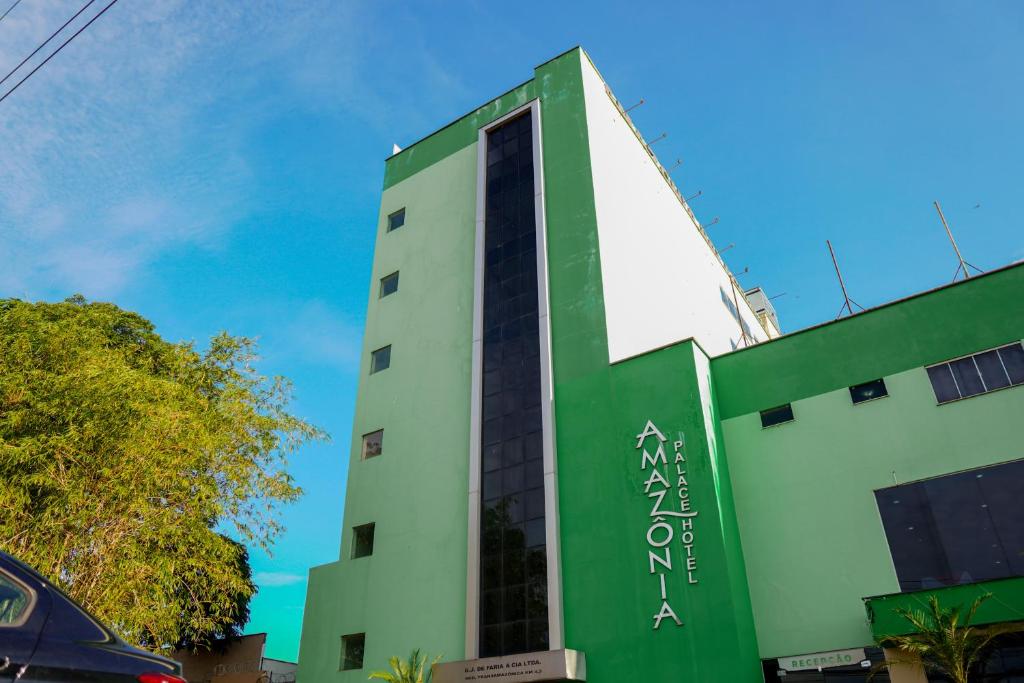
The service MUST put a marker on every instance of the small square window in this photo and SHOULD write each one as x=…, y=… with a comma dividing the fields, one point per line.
x=373, y=444
x=362, y=541
x=396, y=220
x=380, y=359
x=868, y=391
x=352, y=647
x=388, y=284
x=776, y=416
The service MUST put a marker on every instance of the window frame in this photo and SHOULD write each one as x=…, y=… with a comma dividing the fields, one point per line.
x=885, y=388
x=355, y=540
x=344, y=652
x=362, y=450
x=390, y=227
x=949, y=361
x=29, y=606
x=380, y=290
x=792, y=415
x=373, y=356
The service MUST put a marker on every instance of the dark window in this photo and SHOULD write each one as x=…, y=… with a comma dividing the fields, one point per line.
x=960, y=528
x=352, y=648
x=15, y=602
x=978, y=374
x=867, y=391
x=373, y=444
x=362, y=541
x=396, y=220
x=513, y=557
x=776, y=416
x=380, y=359
x=388, y=284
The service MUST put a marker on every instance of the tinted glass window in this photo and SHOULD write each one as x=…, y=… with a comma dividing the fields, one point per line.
x=992, y=371
x=1012, y=356
x=380, y=359
x=352, y=648
x=362, y=540
x=960, y=528
x=513, y=558
x=15, y=601
x=373, y=443
x=868, y=391
x=942, y=382
x=774, y=416
x=396, y=220
x=968, y=380
x=388, y=284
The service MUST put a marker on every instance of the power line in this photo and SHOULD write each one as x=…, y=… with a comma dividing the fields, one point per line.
x=4, y=15
x=52, y=35
x=54, y=53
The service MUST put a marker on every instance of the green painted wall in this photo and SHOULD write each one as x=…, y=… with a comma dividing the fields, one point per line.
x=609, y=595
x=411, y=591
x=922, y=330
x=812, y=535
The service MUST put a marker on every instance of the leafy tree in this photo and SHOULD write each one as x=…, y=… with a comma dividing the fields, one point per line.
x=944, y=642
x=416, y=669
x=123, y=456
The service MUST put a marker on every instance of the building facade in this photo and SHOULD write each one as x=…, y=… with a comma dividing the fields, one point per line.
x=582, y=451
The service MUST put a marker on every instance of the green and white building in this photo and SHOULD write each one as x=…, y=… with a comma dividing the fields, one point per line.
x=582, y=451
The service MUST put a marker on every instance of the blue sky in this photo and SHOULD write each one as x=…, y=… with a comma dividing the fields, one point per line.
x=218, y=165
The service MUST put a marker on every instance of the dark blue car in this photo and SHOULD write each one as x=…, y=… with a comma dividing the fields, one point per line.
x=46, y=637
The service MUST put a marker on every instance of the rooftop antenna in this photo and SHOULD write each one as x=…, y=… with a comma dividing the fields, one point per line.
x=776, y=296
x=679, y=162
x=736, y=305
x=963, y=263
x=699, y=193
x=727, y=248
x=842, y=285
x=629, y=109
x=658, y=139
x=714, y=221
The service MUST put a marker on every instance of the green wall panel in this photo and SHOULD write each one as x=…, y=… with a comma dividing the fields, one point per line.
x=812, y=536
x=411, y=591
x=986, y=311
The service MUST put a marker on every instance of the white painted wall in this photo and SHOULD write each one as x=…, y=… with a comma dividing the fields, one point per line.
x=662, y=281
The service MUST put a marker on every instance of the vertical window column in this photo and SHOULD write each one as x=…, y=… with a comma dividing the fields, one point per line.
x=513, y=560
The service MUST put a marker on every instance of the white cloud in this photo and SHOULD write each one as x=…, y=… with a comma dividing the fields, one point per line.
x=274, y=579
x=133, y=140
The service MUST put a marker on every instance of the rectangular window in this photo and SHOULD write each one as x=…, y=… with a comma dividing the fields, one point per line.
x=776, y=416
x=362, y=540
x=513, y=554
x=978, y=374
x=373, y=444
x=956, y=529
x=389, y=284
x=868, y=391
x=396, y=220
x=380, y=359
x=352, y=647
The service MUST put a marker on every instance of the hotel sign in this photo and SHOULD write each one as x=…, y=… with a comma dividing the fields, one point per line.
x=822, y=660
x=550, y=665
x=671, y=520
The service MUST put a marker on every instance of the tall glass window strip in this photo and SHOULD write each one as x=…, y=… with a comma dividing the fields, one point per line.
x=959, y=528
x=978, y=374
x=513, y=558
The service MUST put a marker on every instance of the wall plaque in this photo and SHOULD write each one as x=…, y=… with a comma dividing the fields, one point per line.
x=550, y=665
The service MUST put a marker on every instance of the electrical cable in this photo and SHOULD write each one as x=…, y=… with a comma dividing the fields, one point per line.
x=4, y=15
x=62, y=46
x=52, y=35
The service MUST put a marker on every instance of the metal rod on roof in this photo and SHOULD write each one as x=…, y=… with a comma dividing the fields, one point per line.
x=842, y=285
x=963, y=264
x=714, y=221
x=679, y=162
x=629, y=109
x=727, y=248
x=699, y=193
x=658, y=139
